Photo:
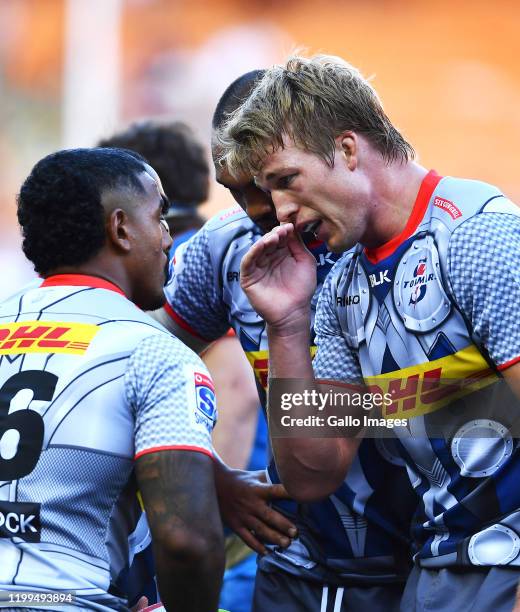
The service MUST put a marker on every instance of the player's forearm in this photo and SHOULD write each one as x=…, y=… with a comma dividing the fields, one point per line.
x=310, y=468
x=180, y=500
x=289, y=355
x=313, y=468
x=190, y=577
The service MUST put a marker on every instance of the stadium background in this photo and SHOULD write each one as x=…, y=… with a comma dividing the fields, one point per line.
x=72, y=71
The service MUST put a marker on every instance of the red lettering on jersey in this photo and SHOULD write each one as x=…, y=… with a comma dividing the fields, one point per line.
x=407, y=393
x=448, y=206
x=50, y=340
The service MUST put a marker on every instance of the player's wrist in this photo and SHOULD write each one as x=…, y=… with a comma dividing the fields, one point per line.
x=297, y=323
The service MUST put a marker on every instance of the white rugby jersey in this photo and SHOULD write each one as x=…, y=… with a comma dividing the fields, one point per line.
x=88, y=383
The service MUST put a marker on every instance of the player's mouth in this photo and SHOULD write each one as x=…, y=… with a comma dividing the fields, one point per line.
x=312, y=228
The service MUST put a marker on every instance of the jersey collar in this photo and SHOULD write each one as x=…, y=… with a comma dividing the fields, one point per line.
x=428, y=185
x=80, y=280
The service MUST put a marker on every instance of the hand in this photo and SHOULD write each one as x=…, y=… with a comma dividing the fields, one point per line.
x=243, y=500
x=278, y=275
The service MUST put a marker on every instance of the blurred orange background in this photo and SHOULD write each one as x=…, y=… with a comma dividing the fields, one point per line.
x=72, y=71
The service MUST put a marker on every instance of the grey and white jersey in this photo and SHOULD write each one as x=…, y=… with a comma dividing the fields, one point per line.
x=88, y=383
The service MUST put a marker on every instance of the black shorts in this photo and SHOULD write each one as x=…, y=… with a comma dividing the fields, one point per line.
x=278, y=591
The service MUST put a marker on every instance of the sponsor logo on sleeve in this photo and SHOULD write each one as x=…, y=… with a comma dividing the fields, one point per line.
x=206, y=402
x=447, y=206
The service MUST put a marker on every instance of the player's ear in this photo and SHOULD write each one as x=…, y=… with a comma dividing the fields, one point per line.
x=117, y=230
x=348, y=143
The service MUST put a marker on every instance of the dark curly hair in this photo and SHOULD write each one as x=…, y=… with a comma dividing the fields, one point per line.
x=59, y=204
x=175, y=154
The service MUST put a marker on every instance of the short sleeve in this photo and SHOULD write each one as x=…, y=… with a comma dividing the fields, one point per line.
x=334, y=359
x=171, y=395
x=192, y=295
x=484, y=273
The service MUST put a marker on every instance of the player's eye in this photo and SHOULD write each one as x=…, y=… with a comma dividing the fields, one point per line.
x=285, y=181
x=165, y=206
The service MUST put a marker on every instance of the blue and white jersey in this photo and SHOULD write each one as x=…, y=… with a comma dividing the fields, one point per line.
x=354, y=533
x=432, y=317
x=88, y=383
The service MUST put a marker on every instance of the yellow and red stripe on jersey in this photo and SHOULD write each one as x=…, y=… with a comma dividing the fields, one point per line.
x=259, y=361
x=46, y=337
x=429, y=386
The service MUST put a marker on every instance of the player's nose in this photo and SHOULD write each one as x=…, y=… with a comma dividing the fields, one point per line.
x=167, y=240
x=285, y=206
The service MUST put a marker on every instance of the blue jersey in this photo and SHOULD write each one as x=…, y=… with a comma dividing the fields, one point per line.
x=441, y=304
x=353, y=533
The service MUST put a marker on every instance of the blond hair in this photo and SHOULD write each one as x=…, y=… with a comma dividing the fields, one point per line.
x=312, y=100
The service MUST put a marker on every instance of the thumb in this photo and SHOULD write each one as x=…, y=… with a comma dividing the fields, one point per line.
x=276, y=491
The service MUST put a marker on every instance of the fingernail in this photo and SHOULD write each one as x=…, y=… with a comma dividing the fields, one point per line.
x=293, y=532
x=285, y=542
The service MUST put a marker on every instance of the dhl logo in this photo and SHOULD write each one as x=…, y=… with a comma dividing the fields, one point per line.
x=429, y=386
x=46, y=337
x=259, y=361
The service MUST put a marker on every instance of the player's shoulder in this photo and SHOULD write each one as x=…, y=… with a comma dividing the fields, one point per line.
x=162, y=347
x=229, y=221
x=474, y=210
x=455, y=200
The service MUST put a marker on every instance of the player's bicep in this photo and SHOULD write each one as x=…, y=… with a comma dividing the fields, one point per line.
x=178, y=493
x=172, y=398
x=484, y=274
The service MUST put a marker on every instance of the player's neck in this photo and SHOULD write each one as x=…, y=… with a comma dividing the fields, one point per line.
x=394, y=194
x=91, y=269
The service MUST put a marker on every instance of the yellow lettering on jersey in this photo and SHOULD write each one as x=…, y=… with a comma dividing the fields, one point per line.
x=46, y=337
x=429, y=386
x=259, y=361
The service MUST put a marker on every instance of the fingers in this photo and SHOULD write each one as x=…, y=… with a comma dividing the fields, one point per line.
x=274, y=247
x=271, y=517
x=274, y=520
x=265, y=533
x=245, y=535
x=260, y=254
x=248, y=264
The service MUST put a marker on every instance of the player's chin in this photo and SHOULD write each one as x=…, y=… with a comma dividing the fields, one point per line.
x=152, y=300
x=337, y=246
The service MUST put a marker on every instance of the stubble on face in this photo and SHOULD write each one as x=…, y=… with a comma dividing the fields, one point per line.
x=310, y=192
